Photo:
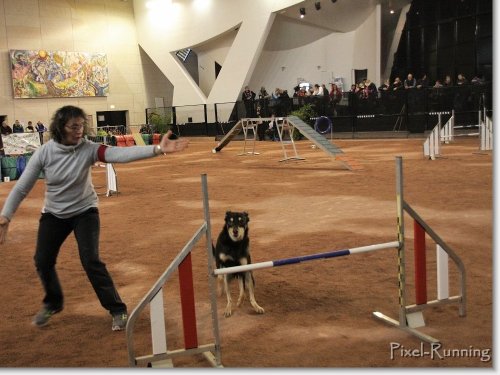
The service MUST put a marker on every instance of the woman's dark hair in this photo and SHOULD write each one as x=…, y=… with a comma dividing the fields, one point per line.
x=61, y=117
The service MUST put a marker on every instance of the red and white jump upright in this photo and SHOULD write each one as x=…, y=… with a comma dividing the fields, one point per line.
x=162, y=356
x=411, y=316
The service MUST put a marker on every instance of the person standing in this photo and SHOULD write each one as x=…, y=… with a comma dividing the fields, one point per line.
x=71, y=205
x=40, y=128
x=248, y=98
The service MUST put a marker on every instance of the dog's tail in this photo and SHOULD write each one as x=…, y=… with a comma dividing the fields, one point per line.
x=213, y=249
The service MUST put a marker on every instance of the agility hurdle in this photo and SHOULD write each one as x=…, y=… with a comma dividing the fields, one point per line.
x=161, y=356
x=410, y=316
x=446, y=134
x=485, y=131
x=432, y=145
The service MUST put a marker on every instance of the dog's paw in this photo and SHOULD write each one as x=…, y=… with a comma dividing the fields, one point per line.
x=257, y=308
x=228, y=311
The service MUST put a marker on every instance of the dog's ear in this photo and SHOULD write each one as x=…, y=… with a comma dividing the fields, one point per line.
x=246, y=215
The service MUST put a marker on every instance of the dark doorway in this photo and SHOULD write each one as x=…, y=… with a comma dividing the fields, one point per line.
x=360, y=75
x=116, y=119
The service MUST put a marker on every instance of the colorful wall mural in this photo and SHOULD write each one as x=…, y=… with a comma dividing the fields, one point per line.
x=56, y=74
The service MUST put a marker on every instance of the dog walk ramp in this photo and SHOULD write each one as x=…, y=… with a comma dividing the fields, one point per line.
x=235, y=130
x=323, y=143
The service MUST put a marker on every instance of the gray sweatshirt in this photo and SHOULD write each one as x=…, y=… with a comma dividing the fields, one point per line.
x=67, y=169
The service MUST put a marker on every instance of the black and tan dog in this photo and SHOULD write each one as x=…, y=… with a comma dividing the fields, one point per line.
x=232, y=249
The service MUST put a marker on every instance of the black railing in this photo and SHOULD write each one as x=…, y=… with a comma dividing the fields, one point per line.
x=410, y=110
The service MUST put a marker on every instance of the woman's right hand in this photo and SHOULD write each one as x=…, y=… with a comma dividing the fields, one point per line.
x=4, y=227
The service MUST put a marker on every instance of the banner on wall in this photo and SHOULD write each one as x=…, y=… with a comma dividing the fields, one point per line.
x=58, y=74
x=20, y=143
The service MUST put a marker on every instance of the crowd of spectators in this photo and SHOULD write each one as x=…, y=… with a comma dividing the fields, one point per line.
x=410, y=94
x=19, y=127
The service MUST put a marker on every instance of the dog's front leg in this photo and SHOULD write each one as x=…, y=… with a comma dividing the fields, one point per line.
x=250, y=285
x=220, y=284
x=241, y=297
x=229, y=307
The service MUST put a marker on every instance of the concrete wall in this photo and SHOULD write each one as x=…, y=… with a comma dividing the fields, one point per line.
x=253, y=42
x=296, y=53
x=79, y=25
x=256, y=45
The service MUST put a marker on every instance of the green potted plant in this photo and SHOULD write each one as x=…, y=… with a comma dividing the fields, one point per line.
x=161, y=122
x=305, y=113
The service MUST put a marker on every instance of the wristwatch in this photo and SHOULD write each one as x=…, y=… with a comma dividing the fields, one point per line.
x=158, y=150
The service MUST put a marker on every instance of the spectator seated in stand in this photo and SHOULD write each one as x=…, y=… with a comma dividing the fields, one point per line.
x=17, y=127
x=30, y=128
x=410, y=82
x=6, y=129
x=423, y=82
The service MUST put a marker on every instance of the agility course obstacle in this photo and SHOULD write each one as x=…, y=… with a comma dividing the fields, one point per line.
x=485, y=131
x=305, y=258
x=111, y=180
x=235, y=130
x=410, y=316
x=161, y=356
x=432, y=145
x=284, y=125
x=248, y=125
x=446, y=134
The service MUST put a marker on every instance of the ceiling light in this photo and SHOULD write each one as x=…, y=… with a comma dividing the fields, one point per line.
x=317, y=5
x=392, y=11
x=302, y=12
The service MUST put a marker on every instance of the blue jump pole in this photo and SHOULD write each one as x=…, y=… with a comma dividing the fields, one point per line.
x=305, y=258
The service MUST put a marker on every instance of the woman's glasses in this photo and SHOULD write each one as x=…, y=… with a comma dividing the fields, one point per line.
x=75, y=127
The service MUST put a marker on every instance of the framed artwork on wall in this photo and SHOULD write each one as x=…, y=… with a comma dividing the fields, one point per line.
x=58, y=74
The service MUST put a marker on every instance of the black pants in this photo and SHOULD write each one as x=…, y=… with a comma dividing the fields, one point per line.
x=52, y=232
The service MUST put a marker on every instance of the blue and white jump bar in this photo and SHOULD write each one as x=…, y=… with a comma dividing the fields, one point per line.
x=305, y=258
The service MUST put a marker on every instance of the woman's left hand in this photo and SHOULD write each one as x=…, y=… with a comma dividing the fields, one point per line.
x=168, y=145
